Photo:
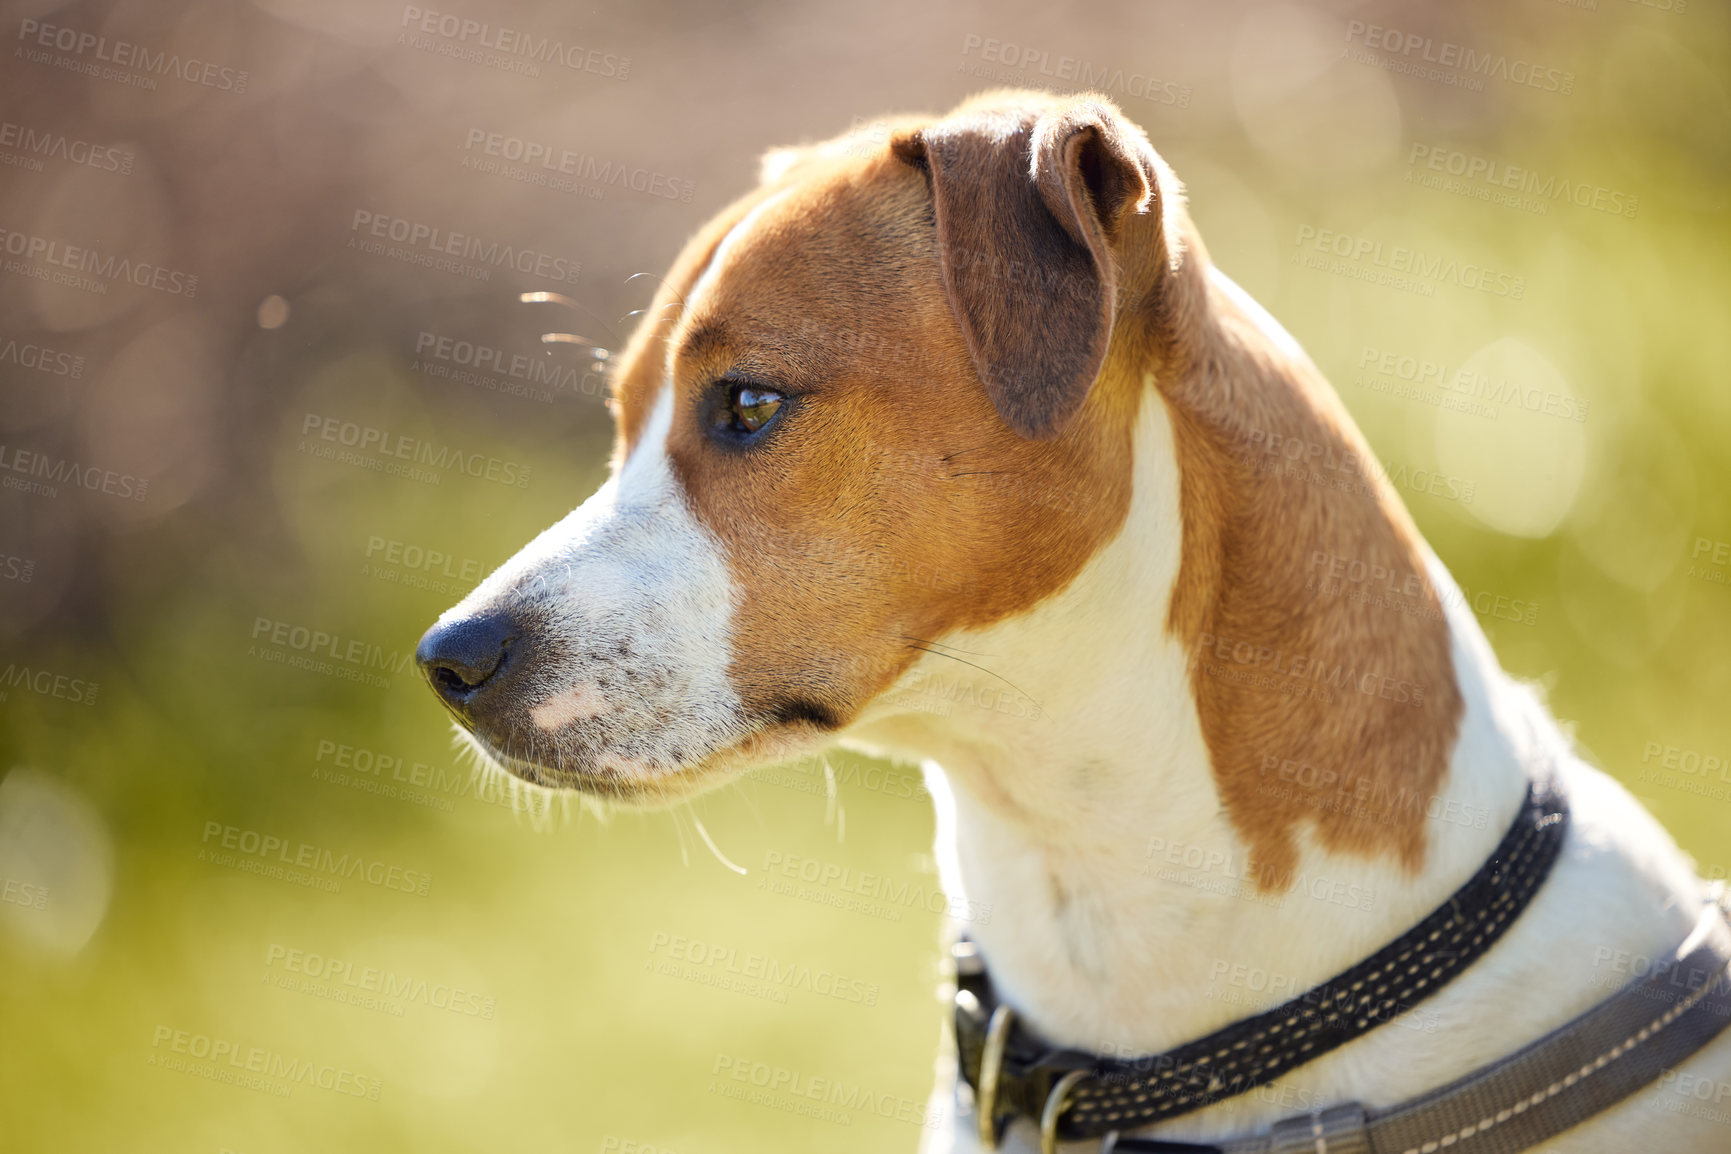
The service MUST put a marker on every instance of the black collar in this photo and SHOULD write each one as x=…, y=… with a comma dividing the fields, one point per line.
x=1102, y=1095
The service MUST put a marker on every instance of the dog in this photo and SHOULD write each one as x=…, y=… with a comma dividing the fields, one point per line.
x=964, y=393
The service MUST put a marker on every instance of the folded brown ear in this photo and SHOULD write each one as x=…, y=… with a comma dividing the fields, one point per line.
x=1028, y=207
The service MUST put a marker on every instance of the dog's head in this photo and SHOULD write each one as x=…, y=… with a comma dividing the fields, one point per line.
x=872, y=404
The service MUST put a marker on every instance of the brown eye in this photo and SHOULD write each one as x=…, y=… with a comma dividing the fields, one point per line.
x=753, y=407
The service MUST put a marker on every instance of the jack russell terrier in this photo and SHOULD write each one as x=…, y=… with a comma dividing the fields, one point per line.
x=1282, y=860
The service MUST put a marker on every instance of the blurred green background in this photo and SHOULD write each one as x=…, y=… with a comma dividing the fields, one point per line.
x=254, y=902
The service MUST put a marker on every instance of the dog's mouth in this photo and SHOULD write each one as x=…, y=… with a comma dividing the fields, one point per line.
x=555, y=765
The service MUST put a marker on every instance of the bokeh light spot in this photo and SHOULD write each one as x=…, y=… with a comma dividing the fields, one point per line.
x=57, y=863
x=1525, y=466
x=273, y=312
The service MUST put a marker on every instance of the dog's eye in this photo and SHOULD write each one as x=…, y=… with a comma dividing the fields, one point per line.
x=751, y=407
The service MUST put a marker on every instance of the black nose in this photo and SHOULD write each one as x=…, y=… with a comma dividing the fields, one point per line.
x=460, y=656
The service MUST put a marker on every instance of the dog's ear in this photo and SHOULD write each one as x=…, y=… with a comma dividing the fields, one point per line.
x=1028, y=209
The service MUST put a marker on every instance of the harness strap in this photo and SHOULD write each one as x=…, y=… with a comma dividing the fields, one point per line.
x=1576, y=1071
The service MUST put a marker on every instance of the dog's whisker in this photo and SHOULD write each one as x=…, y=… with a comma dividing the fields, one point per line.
x=829, y=792
x=703, y=832
x=646, y=311
x=548, y=298
x=678, y=823
x=680, y=297
x=600, y=353
x=971, y=665
x=570, y=303
x=942, y=645
x=834, y=813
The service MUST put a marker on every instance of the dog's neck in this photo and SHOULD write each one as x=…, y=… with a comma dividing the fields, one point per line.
x=1119, y=902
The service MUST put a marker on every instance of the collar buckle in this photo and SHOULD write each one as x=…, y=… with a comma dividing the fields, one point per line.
x=991, y=1067
x=1055, y=1103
